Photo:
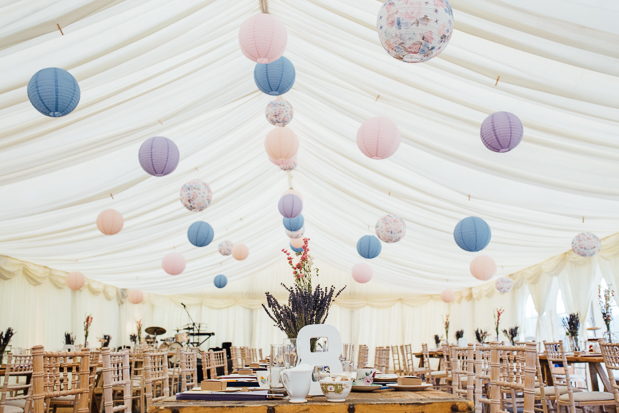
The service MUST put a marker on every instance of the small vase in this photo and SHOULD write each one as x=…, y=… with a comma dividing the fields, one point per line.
x=85, y=344
x=575, y=344
x=608, y=336
x=290, y=352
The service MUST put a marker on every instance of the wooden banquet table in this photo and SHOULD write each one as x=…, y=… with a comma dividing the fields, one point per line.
x=595, y=369
x=428, y=401
x=434, y=354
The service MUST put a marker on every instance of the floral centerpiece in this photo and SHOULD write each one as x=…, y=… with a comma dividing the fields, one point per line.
x=69, y=339
x=459, y=335
x=5, y=339
x=138, y=326
x=446, y=324
x=306, y=304
x=437, y=341
x=571, y=324
x=511, y=334
x=87, y=324
x=498, y=312
x=606, y=307
x=481, y=335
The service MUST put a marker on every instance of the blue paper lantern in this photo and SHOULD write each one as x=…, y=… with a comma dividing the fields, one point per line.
x=54, y=92
x=221, y=281
x=294, y=224
x=369, y=246
x=275, y=78
x=200, y=234
x=296, y=249
x=472, y=234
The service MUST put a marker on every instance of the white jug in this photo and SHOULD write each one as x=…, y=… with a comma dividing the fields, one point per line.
x=297, y=382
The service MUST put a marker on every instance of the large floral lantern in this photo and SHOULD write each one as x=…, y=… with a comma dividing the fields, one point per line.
x=415, y=31
x=586, y=244
x=390, y=228
x=504, y=285
x=279, y=112
x=196, y=195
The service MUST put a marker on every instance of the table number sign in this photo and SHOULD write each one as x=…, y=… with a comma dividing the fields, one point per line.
x=330, y=357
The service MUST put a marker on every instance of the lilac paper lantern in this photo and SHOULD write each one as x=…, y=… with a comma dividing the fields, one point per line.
x=586, y=244
x=501, y=132
x=159, y=156
x=290, y=206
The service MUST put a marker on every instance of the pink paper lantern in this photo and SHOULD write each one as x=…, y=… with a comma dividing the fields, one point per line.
x=75, y=280
x=263, y=38
x=110, y=222
x=281, y=144
x=293, y=192
x=136, y=296
x=448, y=296
x=174, y=263
x=240, y=252
x=483, y=267
x=297, y=242
x=378, y=138
x=362, y=272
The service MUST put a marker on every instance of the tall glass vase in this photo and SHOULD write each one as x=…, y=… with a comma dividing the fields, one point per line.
x=575, y=343
x=290, y=352
x=608, y=336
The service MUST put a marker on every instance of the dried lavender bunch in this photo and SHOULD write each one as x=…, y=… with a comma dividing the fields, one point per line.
x=571, y=324
x=459, y=334
x=437, y=339
x=511, y=334
x=133, y=338
x=69, y=339
x=5, y=338
x=304, y=307
x=481, y=335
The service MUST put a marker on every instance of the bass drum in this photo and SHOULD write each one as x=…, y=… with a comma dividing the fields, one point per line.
x=174, y=348
x=164, y=347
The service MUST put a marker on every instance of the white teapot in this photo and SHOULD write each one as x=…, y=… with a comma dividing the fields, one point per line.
x=297, y=382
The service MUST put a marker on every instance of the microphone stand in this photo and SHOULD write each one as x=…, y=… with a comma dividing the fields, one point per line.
x=193, y=323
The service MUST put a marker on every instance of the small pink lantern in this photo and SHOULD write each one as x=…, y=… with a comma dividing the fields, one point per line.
x=297, y=242
x=448, y=295
x=293, y=192
x=75, y=280
x=362, y=272
x=378, y=138
x=136, y=296
x=240, y=252
x=296, y=234
x=504, y=285
x=174, y=263
x=483, y=267
x=586, y=244
x=281, y=144
x=263, y=38
x=110, y=222
x=279, y=112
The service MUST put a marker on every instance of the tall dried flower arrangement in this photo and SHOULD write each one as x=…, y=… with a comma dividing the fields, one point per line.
x=5, y=339
x=138, y=326
x=87, y=324
x=606, y=307
x=498, y=312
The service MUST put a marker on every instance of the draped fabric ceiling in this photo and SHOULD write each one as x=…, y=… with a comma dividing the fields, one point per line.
x=174, y=69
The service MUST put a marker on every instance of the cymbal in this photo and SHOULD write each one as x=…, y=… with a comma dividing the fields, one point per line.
x=155, y=330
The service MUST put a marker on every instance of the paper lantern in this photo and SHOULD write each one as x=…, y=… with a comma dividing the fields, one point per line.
x=263, y=38
x=390, y=228
x=281, y=144
x=586, y=244
x=275, y=78
x=75, y=280
x=240, y=252
x=200, y=234
x=174, y=263
x=483, y=267
x=110, y=222
x=225, y=247
x=158, y=156
x=220, y=281
x=501, y=132
x=297, y=243
x=296, y=234
x=293, y=192
x=136, y=296
x=54, y=92
x=196, y=195
x=448, y=295
x=290, y=206
x=504, y=285
x=368, y=246
x=295, y=249
x=414, y=31
x=279, y=112
x=472, y=234
x=362, y=272
x=378, y=138
x=294, y=224
x=287, y=165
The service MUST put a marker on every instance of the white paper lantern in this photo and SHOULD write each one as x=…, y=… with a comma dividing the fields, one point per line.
x=504, y=285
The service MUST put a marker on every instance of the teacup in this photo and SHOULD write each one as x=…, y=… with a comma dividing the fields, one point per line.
x=365, y=377
x=336, y=390
x=262, y=376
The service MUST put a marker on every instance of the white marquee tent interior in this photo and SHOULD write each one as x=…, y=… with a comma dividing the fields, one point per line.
x=175, y=69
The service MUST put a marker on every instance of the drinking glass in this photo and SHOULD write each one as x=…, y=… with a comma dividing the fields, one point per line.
x=276, y=364
x=290, y=352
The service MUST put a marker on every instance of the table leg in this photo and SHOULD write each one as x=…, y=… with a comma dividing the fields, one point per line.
x=546, y=372
x=595, y=369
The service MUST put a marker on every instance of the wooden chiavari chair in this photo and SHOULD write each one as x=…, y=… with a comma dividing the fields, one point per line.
x=156, y=375
x=610, y=353
x=362, y=360
x=237, y=360
x=211, y=360
x=381, y=359
x=116, y=377
x=188, y=370
x=20, y=400
x=463, y=371
x=245, y=356
x=432, y=377
x=571, y=399
x=58, y=374
x=482, y=376
x=260, y=355
x=397, y=365
x=66, y=401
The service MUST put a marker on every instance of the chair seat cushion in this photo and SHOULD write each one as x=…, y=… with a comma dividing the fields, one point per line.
x=13, y=409
x=550, y=391
x=438, y=373
x=21, y=403
x=588, y=396
x=70, y=398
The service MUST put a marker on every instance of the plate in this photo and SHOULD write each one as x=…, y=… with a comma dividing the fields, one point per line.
x=365, y=388
x=385, y=377
x=419, y=387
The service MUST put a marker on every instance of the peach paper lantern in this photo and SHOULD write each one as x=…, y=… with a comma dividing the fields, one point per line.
x=75, y=280
x=448, y=295
x=297, y=242
x=240, y=252
x=136, y=296
x=483, y=267
x=293, y=192
x=263, y=38
x=378, y=138
x=174, y=263
x=362, y=272
x=110, y=222
x=281, y=144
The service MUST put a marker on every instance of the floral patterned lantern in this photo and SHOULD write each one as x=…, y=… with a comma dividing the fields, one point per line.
x=483, y=267
x=504, y=285
x=448, y=295
x=296, y=234
x=415, y=31
x=362, y=272
x=263, y=38
x=225, y=247
x=136, y=296
x=279, y=112
x=196, y=195
x=586, y=244
x=390, y=228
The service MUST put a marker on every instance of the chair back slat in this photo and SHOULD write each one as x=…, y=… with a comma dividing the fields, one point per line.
x=116, y=376
x=17, y=365
x=610, y=353
x=156, y=372
x=188, y=370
